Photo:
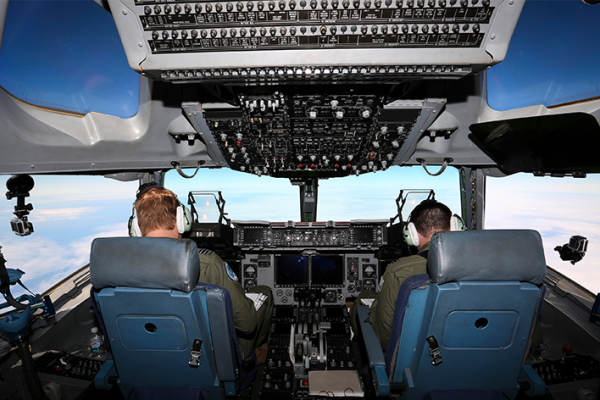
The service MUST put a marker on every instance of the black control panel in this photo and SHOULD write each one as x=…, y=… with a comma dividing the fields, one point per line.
x=284, y=133
x=308, y=337
x=68, y=365
x=286, y=235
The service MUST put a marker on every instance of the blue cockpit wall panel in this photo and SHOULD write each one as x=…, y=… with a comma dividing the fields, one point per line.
x=67, y=55
x=552, y=59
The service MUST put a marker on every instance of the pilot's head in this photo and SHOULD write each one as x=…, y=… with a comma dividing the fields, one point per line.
x=156, y=210
x=430, y=217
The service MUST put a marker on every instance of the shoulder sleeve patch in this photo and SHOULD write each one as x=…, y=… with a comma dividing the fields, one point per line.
x=380, y=285
x=230, y=273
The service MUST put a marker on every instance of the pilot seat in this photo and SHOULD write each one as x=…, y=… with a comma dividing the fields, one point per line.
x=464, y=330
x=169, y=336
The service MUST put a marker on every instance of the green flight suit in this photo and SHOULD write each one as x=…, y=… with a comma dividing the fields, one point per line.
x=381, y=313
x=251, y=326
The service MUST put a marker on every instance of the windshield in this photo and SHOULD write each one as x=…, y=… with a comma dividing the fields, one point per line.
x=558, y=209
x=550, y=63
x=368, y=196
x=67, y=55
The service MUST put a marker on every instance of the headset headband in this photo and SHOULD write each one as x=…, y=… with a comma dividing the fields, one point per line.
x=145, y=188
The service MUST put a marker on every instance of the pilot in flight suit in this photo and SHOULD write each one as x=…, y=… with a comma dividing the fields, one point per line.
x=156, y=211
x=429, y=217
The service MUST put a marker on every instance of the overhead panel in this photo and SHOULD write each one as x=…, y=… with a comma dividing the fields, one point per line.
x=254, y=42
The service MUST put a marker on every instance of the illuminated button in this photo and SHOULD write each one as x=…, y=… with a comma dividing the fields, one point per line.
x=282, y=31
x=476, y=28
x=229, y=7
x=367, y=3
x=148, y=10
x=155, y=35
x=184, y=34
x=198, y=8
x=415, y=29
x=208, y=8
x=167, y=9
x=240, y=6
x=442, y=3
x=218, y=7
x=384, y=29
x=374, y=29
x=313, y=4
x=293, y=31
x=333, y=30
x=356, y=3
x=157, y=10
x=273, y=31
x=263, y=31
x=435, y=29
x=203, y=33
x=177, y=9
x=281, y=4
x=404, y=28
x=165, y=35
x=445, y=28
x=323, y=30
x=271, y=5
x=425, y=28
x=292, y=4
x=455, y=28
x=335, y=4
x=250, y=6
x=377, y=3
x=395, y=29
x=324, y=4
x=233, y=32
x=252, y=31
x=346, y=4
x=174, y=34
x=364, y=29
x=260, y=6
x=464, y=3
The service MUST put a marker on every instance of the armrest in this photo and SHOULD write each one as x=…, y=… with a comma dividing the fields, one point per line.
x=374, y=354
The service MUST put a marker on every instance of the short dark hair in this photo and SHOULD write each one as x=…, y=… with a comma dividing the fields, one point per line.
x=156, y=208
x=430, y=217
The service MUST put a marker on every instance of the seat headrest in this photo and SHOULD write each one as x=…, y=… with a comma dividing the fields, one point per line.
x=488, y=255
x=141, y=262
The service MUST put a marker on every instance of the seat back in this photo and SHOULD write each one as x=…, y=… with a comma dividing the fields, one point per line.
x=470, y=327
x=157, y=318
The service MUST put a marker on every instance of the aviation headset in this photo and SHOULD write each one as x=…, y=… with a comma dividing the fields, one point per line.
x=183, y=217
x=411, y=236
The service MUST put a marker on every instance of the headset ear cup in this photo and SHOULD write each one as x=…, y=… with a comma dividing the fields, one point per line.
x=410, y=234
x=134, y=227
x=184, y=219
x=456, y=223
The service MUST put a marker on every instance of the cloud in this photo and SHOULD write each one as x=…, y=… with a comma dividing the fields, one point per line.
x=64, y=213
x=46, y=261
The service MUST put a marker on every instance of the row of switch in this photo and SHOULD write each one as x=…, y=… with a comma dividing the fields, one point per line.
x=323, y=30
x=312, y=72
x=292, y=4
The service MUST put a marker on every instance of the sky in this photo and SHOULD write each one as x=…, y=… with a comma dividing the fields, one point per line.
x=69, y=212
